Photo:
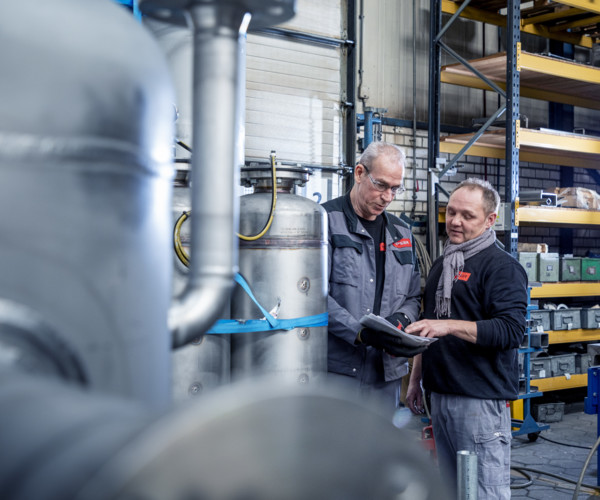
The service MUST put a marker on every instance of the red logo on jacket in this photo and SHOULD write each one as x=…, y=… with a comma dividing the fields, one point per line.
x=403, y=243
x=462, y=276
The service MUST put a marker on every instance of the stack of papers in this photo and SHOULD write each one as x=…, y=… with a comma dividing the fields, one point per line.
x=378, y=323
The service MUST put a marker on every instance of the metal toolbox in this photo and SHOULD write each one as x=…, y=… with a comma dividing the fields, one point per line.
x=540, y=367
x=590, y=269
x=548, y=264
x=529, y=261
x=583, y=362
x=570, y=269
x=548, y=412
x=590, y=318
x=563, y=364
x=543, y=318
x=566, y=319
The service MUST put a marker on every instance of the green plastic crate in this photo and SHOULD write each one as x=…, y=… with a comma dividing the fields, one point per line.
x=590, y=269
x=570, y=269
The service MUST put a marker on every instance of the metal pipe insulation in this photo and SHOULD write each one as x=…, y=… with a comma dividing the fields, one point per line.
x=217, y=27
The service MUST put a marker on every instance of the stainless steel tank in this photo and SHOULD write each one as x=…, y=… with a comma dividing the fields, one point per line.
x=86, y=131
x=286, y=269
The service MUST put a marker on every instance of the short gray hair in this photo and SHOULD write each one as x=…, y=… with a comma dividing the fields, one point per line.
x=381, y=148
x=491, y=198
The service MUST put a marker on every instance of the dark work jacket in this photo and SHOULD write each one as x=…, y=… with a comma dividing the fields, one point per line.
x=352, y=287
x=492, y=291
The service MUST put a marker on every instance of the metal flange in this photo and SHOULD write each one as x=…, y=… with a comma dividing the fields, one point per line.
x=264, y=12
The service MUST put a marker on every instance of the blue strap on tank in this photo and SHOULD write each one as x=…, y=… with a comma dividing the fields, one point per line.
x=269, y=323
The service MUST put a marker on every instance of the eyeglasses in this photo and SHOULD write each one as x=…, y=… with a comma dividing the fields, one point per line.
x=382, y=187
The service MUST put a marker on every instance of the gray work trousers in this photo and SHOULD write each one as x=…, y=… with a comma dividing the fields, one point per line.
x=384, y=394
x=482, y=426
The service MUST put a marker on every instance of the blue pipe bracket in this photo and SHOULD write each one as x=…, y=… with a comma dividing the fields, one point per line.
x=133, y=5
x=591, y=403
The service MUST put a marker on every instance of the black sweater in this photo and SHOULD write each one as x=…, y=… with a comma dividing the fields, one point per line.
x=492, y=291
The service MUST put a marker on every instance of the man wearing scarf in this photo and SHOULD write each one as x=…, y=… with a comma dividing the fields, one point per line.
x=475, y=303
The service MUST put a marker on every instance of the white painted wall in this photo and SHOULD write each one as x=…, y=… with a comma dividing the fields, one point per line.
x=293, y=89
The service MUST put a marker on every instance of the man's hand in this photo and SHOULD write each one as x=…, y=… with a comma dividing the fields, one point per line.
x=388, y=342
x=414, y=397
x=466, y=330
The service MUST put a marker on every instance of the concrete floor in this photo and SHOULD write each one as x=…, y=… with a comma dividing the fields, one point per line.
x=556, y=458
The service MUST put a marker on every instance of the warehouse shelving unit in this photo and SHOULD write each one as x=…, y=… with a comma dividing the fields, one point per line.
x=563, y=217
x=570, y=289
x=511, y=74
x=557, y=217
x=536, y=21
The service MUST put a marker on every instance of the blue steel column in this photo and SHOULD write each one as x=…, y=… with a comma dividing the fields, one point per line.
x=511, y=196
x=349, y=50
x=591, y=406
x=433, y=131
x=368, y=132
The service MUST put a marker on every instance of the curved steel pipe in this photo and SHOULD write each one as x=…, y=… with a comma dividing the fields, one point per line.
x=215, y=208
x=217, y=106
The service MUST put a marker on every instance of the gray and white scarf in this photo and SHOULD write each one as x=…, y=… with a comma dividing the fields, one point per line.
x=454, y=262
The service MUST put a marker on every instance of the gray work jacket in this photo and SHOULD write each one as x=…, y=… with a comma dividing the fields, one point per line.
x=352, y=282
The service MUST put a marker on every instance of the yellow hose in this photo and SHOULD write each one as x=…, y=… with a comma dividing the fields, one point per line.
x=273, y=204
x=183, y=256
x=181, y=253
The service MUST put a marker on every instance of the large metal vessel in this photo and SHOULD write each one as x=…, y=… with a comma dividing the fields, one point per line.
x=86, y=132
x=286, y=269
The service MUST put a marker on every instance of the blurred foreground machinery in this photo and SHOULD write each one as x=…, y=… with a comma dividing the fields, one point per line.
x=87, y=322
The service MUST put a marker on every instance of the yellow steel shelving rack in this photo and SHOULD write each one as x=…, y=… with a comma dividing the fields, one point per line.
x=544, y=25
x=536, y=77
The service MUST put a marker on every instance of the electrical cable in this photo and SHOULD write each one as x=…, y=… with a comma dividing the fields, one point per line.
x=520, y=469
x=526, y=484
x=423, y=258
x=565, y=444
x=273, y=205
x=183, y=145
x=585, y=466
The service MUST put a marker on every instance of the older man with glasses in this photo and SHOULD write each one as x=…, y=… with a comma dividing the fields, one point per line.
x=372, y=269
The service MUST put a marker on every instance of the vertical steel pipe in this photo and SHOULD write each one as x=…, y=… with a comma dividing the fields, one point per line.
x=217, y=26
x=215, y=211
x=466, y=475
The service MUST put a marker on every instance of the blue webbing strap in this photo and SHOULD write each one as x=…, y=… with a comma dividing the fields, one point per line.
x=269, y=323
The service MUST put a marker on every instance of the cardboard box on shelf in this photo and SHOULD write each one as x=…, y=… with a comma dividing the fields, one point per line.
x=532, y=247
x=577, y=197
